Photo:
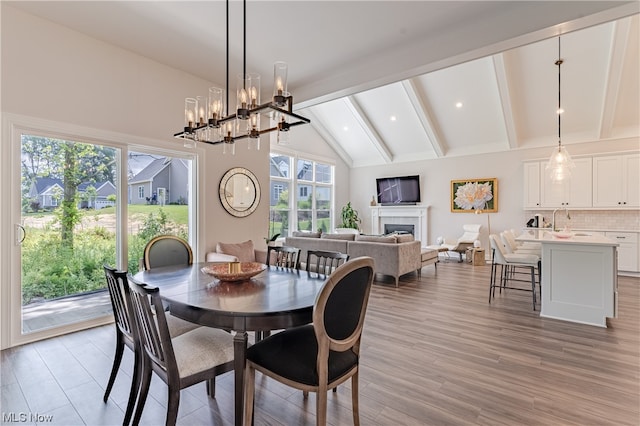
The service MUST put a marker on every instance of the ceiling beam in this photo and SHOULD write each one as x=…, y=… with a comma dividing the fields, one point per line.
x=426, y=118
x=619, y=43
x=368, y=128
x=505, y=99
x=328, y=137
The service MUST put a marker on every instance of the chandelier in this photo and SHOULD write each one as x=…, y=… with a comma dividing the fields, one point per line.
x=207, y=119
x=560, y=164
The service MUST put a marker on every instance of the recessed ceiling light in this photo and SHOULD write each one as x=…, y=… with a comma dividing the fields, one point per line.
x=458, y=104
x=393, y=118
x=345, y=128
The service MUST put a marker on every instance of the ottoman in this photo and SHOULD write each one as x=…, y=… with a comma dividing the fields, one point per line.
x=428, y=256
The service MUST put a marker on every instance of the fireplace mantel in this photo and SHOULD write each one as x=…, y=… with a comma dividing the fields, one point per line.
x=403, y=215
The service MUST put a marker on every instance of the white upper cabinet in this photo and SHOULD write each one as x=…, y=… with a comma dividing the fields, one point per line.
x=616, y=181
x=541, y=192
x=571, y=193
x=531, y=195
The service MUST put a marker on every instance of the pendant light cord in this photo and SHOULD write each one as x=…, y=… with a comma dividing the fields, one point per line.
x=244, y=40
x=559, y=64
x=226, y=112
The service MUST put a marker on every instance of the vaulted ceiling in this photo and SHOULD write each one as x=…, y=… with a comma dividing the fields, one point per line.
x=388, y=81
x=495, y=103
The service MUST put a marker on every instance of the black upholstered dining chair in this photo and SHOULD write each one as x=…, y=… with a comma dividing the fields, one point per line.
x=324, y=262
x=182, y=361
x=167, y=250
x=284, y=257
x=319, y=356
x=126, y=333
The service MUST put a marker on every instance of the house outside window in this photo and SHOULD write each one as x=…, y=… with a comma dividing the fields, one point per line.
x=310, y=206
x=141, y=192
x=276, y=191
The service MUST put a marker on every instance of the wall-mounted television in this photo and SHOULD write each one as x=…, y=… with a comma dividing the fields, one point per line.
x=398, y=190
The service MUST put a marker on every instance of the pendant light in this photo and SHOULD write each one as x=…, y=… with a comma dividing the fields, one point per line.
x=560, y=164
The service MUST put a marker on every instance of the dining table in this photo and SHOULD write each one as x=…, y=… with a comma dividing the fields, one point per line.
x=276, y=298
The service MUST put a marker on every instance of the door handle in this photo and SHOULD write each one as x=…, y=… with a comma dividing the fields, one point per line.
x=21, y=234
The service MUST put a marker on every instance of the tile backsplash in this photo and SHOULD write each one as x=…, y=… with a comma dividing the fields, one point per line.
x=622, y=220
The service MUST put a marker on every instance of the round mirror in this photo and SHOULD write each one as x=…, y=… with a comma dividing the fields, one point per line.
x=239, y=192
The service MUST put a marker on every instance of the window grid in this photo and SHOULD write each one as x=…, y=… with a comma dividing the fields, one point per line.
x=311, y=207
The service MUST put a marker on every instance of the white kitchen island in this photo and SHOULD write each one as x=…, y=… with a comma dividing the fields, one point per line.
x=579, y=276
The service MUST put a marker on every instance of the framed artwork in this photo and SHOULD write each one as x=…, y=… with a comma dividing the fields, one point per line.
x=470, y=195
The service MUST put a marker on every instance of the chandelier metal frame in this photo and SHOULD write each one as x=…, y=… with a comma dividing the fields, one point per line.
x=281, y=106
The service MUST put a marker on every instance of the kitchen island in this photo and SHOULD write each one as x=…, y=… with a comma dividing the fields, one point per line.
x=579, y=276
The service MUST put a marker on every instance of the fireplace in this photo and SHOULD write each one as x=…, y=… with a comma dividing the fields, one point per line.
x=400, y=229
x=401, y=216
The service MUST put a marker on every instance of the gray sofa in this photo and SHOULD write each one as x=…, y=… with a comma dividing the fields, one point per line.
x=393, y=255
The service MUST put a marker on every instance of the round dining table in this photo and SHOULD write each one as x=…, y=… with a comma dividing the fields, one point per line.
x=276, y=298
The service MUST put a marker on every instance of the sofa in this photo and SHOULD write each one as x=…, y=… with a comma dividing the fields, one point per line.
x=393, y=255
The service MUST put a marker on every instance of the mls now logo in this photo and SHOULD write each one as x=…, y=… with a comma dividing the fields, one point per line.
x=25, y=417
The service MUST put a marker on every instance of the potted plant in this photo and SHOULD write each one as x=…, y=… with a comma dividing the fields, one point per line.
x=350, y=219
x=271, y=241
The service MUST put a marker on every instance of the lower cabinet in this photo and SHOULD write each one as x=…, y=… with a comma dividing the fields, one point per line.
x=627, y=251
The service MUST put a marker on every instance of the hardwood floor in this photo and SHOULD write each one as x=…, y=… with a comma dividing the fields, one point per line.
x=434, y=352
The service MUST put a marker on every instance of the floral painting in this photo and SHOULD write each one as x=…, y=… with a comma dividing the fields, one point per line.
x=470, y=195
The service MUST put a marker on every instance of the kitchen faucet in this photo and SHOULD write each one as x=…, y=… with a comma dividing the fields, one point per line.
x=553, y=220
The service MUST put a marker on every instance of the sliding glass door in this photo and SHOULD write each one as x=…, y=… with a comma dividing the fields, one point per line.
x=72, y=223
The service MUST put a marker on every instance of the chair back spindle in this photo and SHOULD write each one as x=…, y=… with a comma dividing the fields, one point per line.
x=284, y=257
x=324, y=262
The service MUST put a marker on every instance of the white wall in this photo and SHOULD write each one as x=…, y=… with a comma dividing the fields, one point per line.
x=50, y=72
x=436, y=177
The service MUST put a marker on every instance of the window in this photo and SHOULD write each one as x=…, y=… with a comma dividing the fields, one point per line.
x=312, y=207
x=141, y=192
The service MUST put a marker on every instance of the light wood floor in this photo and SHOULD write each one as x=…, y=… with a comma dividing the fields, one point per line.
x=434, y=353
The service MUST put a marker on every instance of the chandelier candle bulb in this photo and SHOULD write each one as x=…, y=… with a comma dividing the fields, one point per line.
x=215, y=106
x=202, y=111
x=190, y=106
x=254, y=89
x=280, y=70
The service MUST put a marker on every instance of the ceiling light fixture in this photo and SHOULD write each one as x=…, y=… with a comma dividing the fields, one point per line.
x=560, y=164
x=206, y=119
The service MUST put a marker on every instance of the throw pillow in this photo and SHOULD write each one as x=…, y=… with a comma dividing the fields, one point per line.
x=371, y=239
x=306, y=234
x=404, y=238
x=243, y=251
x=347, y=237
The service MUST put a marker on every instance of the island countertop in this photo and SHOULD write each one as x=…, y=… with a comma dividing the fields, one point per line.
x=563, y=237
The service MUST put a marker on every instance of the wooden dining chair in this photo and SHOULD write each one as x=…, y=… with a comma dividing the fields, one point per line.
x=167, y=250
x=126, y=333
x=319, y=356
x=193, y=357
x=324, y=262
x=126, y=330
x=284, y=257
